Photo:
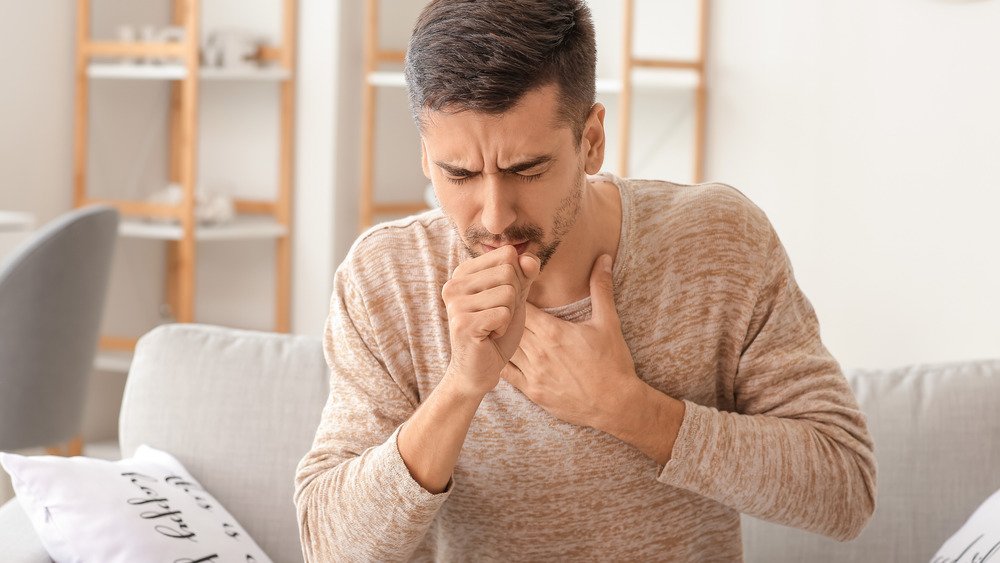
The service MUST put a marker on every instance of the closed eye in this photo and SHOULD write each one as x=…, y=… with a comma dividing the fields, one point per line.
x=459, y=180
x=530, y=177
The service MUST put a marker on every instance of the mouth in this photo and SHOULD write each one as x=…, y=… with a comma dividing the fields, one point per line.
x=521, y=247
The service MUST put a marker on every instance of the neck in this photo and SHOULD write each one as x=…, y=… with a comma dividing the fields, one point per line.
x=566, y=276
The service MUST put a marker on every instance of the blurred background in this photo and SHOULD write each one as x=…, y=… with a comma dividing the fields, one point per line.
x=868, y=132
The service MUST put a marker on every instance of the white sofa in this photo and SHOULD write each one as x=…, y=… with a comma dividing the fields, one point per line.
x=239, y=409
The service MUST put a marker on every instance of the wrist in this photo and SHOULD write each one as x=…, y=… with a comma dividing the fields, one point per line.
x=647, y=419
x=456, y=385
x=621, y=409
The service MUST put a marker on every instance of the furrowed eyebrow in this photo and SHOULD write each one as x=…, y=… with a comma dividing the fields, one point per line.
x=528, y=164
x=514, y=168
x=454, y=170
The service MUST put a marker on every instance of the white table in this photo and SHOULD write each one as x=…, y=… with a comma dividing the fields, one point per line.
x=14, y=221
x=15, y=226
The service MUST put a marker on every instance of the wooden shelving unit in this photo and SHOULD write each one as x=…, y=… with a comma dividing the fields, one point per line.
x=374, y=56
x=633, y=65
x=637, y=74
x=256, y=219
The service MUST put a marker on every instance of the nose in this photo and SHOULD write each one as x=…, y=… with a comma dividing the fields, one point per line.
x=498, y=207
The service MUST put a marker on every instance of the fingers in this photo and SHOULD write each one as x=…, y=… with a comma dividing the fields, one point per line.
x=513, y=375
x=507, y=267
x=502, y=274
x=480, y=324
x=486, y=295
x=520, y=359
x=503, y=296
x=530, y=265
x=503, y=255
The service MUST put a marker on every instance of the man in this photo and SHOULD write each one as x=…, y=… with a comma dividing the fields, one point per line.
x=560, y=365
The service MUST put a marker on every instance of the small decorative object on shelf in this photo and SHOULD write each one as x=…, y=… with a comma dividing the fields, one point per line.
x=210, y=209
x=126, y=34
x=192, y=208
x=149, y=34
x=229, y=49
x=233, y=49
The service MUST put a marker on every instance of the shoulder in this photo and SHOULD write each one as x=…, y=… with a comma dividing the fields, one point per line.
x=414, y=233
x=413, y=247
x=711, y=211
x=709, y=234
x=709, y=202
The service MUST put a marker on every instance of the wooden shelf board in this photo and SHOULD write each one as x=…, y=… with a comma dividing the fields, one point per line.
x=398, y=207
x=241, y=228
x=176, y=71
x=391, y=79
x=652, y=80
x=170, y=71
x=132, y=49
x=115, y=361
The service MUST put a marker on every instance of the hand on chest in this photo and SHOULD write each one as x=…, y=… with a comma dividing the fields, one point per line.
x=574, y=370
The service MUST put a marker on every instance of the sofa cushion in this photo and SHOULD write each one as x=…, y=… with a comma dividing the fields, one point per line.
x=18, y=539
x=88, y=509
x=935, y=428
x=238, y=409
x=979, y=538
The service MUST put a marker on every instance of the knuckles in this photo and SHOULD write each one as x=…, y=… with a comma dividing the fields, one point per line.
x=509, y=293
x=504, y=315
x=509, y=273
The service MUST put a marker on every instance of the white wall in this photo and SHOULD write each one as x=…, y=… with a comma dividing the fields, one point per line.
x=316, y=143
x=866, y=131
x=36, y=103
x=869, y=133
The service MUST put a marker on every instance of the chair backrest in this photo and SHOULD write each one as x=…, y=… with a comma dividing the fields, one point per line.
x=52, y=292
x=239, y=409
x=937, y=443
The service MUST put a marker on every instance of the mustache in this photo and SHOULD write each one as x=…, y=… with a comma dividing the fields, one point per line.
x=530, y=233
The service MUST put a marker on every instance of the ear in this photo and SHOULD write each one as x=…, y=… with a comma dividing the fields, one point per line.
x=593, y=139
x=423, y=160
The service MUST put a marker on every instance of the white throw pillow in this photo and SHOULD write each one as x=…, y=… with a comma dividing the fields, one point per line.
x=978, y=539
x=144, y=508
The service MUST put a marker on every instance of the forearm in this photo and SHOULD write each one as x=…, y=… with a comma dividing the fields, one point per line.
x=646, y=419
x=431, y=440
x=826, y=480
x=802, y=473
x=363, y=508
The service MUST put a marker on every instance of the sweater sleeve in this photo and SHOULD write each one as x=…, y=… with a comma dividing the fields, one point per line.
x=797, y=451
x=355, y=498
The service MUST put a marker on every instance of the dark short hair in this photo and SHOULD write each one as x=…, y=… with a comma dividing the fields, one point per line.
x=484, y=55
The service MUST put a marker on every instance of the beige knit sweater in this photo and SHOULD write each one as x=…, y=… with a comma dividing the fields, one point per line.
x=711, y=312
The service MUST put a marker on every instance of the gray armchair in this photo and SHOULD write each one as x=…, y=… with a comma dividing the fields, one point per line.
x=52, y=292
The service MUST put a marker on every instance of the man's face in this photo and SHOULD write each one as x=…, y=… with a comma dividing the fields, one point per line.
x=515, y=178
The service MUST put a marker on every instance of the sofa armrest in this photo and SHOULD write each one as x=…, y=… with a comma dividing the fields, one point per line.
x=18, y=541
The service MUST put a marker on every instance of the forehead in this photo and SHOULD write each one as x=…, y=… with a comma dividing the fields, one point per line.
x=529, y=126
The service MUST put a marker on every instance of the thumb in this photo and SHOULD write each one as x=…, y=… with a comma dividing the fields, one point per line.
x=531, y=266
x=602, y=291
